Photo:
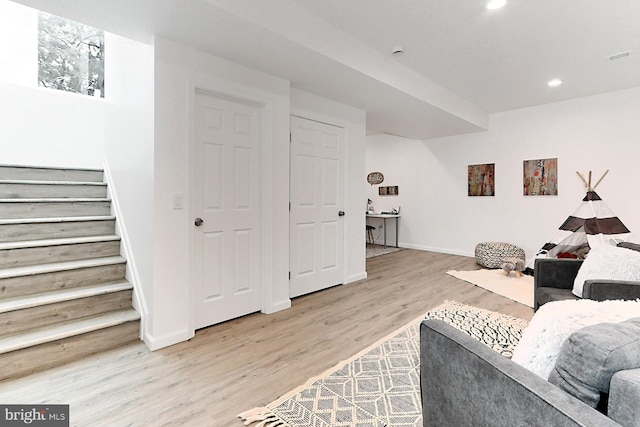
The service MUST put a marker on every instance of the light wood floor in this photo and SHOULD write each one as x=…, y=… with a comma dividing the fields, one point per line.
x=251, y=361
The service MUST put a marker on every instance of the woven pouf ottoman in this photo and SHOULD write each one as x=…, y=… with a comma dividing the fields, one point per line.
x=491, y=254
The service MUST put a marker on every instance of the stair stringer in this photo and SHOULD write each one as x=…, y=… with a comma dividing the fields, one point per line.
x=131, y=272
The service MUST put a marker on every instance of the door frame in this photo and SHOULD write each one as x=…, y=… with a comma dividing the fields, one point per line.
x=237, y=93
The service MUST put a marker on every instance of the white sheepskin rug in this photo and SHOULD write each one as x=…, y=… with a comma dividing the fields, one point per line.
x=552, y=324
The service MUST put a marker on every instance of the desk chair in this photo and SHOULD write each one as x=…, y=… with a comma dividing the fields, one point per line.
x=370, y=238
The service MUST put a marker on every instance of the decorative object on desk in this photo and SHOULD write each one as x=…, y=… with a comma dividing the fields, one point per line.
x=369, y=206
x=395, y=210
x=481, y=179
x=375, y=178
x=540, y=177
x=388, y=191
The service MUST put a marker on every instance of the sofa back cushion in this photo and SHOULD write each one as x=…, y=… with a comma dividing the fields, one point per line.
x=592, y=355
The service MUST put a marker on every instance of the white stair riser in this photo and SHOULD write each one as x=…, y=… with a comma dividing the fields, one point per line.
x=13, y=287
x=36, y=191
x=58, y=253
x=15, y=210
x=33, y=359
x=22, y=320
x=52, y=230
x=45, y=174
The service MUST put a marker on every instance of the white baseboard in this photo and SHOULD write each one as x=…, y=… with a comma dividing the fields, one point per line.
x=156, y=343
x=356, y=277
x=440, y=250
x=277, y=306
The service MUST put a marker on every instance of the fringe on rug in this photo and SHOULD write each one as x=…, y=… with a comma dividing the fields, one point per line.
x=264, y=415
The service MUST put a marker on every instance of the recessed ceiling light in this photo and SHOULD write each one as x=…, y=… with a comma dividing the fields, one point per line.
x=397, y=51
x=621, y=55
x=496, y=4
x=554, y=83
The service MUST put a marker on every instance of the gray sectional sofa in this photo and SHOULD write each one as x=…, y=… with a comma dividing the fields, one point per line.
x=553, y=281
x=465, y=383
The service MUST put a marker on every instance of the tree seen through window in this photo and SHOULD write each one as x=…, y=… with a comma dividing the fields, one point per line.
x=70, y=56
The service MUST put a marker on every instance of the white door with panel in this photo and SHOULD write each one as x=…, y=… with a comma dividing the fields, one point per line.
x=226, y=257
x=316, y=239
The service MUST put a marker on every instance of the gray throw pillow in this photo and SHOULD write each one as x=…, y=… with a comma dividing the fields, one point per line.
x=590, y=356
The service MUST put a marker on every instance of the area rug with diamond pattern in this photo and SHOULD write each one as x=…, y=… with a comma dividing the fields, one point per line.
x=380, y=386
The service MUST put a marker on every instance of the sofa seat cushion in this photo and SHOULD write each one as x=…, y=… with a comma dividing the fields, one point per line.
x=624, y=395
x=592, y=355
x=545, y=295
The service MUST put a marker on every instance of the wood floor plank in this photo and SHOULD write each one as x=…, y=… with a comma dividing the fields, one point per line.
x=234, y=366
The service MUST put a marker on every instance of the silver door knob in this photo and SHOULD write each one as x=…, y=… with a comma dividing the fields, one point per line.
x=198, y=222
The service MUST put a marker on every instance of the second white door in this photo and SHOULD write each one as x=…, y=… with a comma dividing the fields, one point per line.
x=316, y=239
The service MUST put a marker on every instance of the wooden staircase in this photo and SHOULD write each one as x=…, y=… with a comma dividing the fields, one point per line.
x=63, y=292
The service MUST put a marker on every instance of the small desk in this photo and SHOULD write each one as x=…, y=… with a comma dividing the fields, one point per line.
x=384, y=219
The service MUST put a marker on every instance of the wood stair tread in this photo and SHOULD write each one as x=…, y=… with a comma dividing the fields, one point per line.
x=47, y=298
x=57, y=219
x=22, y=244
x=57, y=200
x=66, y=329
x=55, y=168
x=31, y=270
x=37, y=182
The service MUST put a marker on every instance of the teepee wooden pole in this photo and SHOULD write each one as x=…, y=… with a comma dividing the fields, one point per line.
x=583, y=180
x=601, y=178
x=590, y=188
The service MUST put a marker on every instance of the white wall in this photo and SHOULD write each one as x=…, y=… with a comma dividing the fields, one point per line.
x=389, y=154
x=19, y=44
x=178, y=69
x=39, y=126
x=128, y=157
x=593, y=133
x=354, y=122
x=47, y=127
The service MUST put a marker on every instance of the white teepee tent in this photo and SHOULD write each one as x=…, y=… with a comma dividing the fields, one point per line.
x=591, y=225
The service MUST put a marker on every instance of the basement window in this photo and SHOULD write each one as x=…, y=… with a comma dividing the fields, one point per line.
x=70, y=56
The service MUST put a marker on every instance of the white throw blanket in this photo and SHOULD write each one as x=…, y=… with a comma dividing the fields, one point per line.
x=552, y=324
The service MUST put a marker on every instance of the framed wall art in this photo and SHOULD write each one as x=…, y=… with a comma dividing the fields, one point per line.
x=540, y=177
x=388, y=191
x=481, y=179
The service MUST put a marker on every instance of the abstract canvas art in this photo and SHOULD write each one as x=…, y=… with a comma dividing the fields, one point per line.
x=481, y=179
x=540, y=177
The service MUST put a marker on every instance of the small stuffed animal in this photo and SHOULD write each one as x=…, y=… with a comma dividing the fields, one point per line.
x=512, y=264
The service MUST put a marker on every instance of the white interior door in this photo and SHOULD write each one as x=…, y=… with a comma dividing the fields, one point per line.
x=316, y=192
x=226, y=203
